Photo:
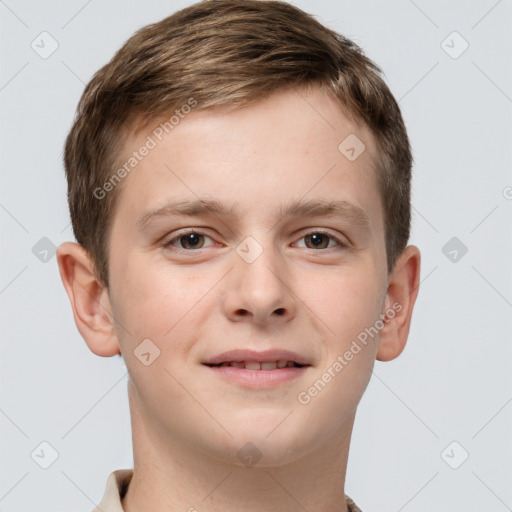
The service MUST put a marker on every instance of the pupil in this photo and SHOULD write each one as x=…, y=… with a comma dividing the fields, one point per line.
x=191, y=239
x=317, y=238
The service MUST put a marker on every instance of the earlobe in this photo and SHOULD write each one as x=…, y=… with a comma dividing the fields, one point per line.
x=401, y=295
x=89, y=300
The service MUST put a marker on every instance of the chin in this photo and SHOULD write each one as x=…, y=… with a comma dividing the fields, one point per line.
x=263, y=446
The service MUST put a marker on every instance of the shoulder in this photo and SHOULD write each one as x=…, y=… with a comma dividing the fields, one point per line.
x=351, y=506
x=115, y=489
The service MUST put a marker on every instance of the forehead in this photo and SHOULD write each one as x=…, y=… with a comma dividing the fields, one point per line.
x=288, y=146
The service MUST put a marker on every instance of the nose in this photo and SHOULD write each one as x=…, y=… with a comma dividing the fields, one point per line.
x=258, y=291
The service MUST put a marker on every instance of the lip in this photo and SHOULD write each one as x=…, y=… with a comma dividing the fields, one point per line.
x=257, y=378
x=258, y=357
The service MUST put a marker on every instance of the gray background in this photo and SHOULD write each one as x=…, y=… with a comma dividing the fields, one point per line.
x=452, y=382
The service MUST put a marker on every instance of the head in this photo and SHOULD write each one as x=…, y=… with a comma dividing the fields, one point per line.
x=245, y=108
x=203, y=57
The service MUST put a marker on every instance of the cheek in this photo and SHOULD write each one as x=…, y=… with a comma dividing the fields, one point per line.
x=160, y=302
x=342, y=303
x=351, y=341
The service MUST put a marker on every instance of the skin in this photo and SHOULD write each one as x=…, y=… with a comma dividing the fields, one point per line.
x=188, y=423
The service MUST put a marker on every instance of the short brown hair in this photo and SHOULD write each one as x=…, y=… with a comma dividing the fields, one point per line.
x=228, y=53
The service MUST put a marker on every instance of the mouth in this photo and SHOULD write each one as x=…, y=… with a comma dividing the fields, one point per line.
x=253, y=369
x=255, y=365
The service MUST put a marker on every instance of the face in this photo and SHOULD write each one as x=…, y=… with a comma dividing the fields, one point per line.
x=242, y=241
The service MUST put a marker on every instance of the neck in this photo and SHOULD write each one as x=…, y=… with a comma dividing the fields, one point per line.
x=172, y=476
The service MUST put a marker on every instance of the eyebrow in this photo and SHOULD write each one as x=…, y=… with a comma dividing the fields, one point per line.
x=298, y=208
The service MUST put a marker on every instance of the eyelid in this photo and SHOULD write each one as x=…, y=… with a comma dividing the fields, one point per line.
x=321, y=231
x=168, y=244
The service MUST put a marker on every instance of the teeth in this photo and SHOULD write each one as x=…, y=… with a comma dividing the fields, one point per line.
x=253, y=365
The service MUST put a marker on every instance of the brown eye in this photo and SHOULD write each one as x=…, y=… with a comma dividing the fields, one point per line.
x=191, y=241
x=321, y=240
x=317, y=241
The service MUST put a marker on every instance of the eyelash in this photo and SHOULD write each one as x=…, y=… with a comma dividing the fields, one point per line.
x=169, y=243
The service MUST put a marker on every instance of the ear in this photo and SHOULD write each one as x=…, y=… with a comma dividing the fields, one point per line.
x=89, y=300
x=401, y=295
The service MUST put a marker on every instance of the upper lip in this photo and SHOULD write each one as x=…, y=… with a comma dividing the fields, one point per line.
x=258, y=357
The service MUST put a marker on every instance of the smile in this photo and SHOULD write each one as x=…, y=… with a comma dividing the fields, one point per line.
x=254, y=369
x=254, y=365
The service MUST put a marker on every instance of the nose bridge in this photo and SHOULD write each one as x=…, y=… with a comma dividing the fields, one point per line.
x=257, y=289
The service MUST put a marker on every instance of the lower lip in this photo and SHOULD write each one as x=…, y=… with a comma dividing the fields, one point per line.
x=259, y=378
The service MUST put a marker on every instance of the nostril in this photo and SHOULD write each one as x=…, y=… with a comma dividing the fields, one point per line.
x=279, y=311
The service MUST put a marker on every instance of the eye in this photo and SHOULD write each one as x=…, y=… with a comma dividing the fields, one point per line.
x=194, y=240
x=321, y=240
x=191, y=240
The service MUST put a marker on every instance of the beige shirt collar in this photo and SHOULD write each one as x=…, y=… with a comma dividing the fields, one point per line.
x=117, y=485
